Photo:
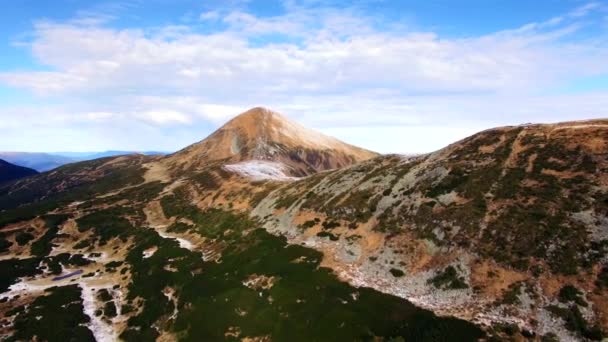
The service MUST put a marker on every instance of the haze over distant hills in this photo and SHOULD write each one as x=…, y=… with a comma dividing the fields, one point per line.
x=41, y=161
x=79, y=156
x=38, y=161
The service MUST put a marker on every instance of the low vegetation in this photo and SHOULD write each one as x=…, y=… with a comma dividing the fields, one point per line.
x=55, y=316
x=397, y=273
x=575, y=322
x=43, y=245
x=13, y=269
x=570, y=294
x=448, y=279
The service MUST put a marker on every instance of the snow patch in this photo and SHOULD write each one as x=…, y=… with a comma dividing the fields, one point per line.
x=23, y=287
x=183, y=243
x=261, y=170
x=101, y=330
x=149, y=252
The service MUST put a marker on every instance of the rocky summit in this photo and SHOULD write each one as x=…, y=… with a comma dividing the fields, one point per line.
x=260, y=134
x=269, y=231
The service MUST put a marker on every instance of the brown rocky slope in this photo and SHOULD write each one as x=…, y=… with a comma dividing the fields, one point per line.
x=263, y=135
x=510, y=224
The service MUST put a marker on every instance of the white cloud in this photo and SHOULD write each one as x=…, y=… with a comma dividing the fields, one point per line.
x=103, y=59
x=99, y=116
x=163, y=117
x=219, y=113
x=585, y=9
x=209, y=16
x=333, y=69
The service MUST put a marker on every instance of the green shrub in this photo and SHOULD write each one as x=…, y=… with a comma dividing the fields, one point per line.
x=575, y=322
x=569, y=294
x=4, y=243
x=106, y=224
x=13, y=269
x=549, y=337
x=178, y=227
x=397, y=272
x=330, y=224
x=448, y=279
x=56, y=316
x=602, y=278
x=43, y=245
x=511, y=295
x=206, y=180
x=104, y=295
x=455, y=178
x=308, y=224
x=22, y=238
x=82, y=244
x=109, y=309
x=331, y=236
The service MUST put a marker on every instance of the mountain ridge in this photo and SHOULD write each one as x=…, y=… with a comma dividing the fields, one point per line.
x=470, y=229
x=507, y=228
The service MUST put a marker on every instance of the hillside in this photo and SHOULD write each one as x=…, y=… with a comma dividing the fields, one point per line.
x=9, y=172
x=74, y=181
x=506, y=229
x=501, y=225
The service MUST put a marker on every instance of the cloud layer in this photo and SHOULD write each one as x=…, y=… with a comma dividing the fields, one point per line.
x=337, y=70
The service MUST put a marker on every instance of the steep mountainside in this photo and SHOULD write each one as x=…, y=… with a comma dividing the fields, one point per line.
x=510, y=224
x=263, y=135
x=507, y=229
x=9, y=172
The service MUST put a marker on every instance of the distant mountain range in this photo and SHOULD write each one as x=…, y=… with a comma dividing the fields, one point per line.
x=42, y=162
x=10, y=171
x=80, y=156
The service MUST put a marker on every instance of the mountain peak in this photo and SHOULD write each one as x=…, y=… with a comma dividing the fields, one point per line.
x=259, y=113
x=263, y=134
x=255, y=117
x=261, y=125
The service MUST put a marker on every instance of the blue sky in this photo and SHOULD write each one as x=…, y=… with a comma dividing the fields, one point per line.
x=393, y=76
